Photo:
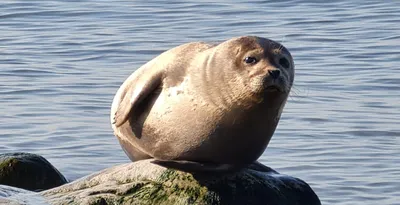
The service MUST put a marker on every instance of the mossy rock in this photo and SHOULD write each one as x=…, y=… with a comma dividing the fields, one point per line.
x=29, y=171
x=143, y=182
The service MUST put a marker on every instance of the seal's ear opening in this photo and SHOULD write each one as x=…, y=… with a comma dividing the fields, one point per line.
x=135, y=95
x=284, y=62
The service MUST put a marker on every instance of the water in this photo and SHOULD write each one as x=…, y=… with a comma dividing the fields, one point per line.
x=61, y=63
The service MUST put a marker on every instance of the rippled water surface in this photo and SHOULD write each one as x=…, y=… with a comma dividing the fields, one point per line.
x=61, y=62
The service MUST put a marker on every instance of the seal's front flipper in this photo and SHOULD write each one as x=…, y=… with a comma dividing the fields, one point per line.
x=196, y=167
x=136, y=91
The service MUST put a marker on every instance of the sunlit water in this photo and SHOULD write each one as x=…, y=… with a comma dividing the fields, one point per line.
x=61, y=62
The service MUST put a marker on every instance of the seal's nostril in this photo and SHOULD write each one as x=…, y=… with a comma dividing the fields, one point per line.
x=274, y=73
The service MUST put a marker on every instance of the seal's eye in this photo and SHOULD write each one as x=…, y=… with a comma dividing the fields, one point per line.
x=284, y=62
x=250, y=60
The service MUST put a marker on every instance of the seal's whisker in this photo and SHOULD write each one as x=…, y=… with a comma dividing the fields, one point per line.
x=293, y=96
x=283, y=40
x=280, y=48
x=281, y=44
x=297, y=93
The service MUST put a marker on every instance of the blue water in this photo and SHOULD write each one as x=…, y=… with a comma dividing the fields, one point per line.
x=61, y=63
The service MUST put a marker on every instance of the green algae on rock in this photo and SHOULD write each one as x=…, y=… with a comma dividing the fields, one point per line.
x=29, y=171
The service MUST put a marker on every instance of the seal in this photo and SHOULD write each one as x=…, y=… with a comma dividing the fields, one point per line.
x=204, y=106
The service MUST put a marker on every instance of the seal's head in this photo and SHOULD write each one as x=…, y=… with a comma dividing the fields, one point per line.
x=257, y=66
x=269, y=64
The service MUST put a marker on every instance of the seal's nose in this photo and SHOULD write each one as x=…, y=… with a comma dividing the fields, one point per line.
x=274, y=73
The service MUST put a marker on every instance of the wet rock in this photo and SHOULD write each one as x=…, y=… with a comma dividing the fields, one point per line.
x=29, y=171
x=143, y=182
x=16, y=196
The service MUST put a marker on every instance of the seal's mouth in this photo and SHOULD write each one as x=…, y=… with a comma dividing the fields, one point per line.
x=273, y=88
x=271, y=85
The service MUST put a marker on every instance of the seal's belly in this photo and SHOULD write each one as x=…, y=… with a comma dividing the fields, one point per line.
x=204, y=134
x=171, y=134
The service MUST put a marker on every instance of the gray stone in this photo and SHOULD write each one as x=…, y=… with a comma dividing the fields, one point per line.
x=29, y=171
x=16, y=196
x=143, y=182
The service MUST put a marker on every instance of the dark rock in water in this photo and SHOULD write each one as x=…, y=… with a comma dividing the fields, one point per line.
x=29, y=171
x=143, y=182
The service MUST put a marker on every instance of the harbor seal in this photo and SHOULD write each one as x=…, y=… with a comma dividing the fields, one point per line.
x=204, y=106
